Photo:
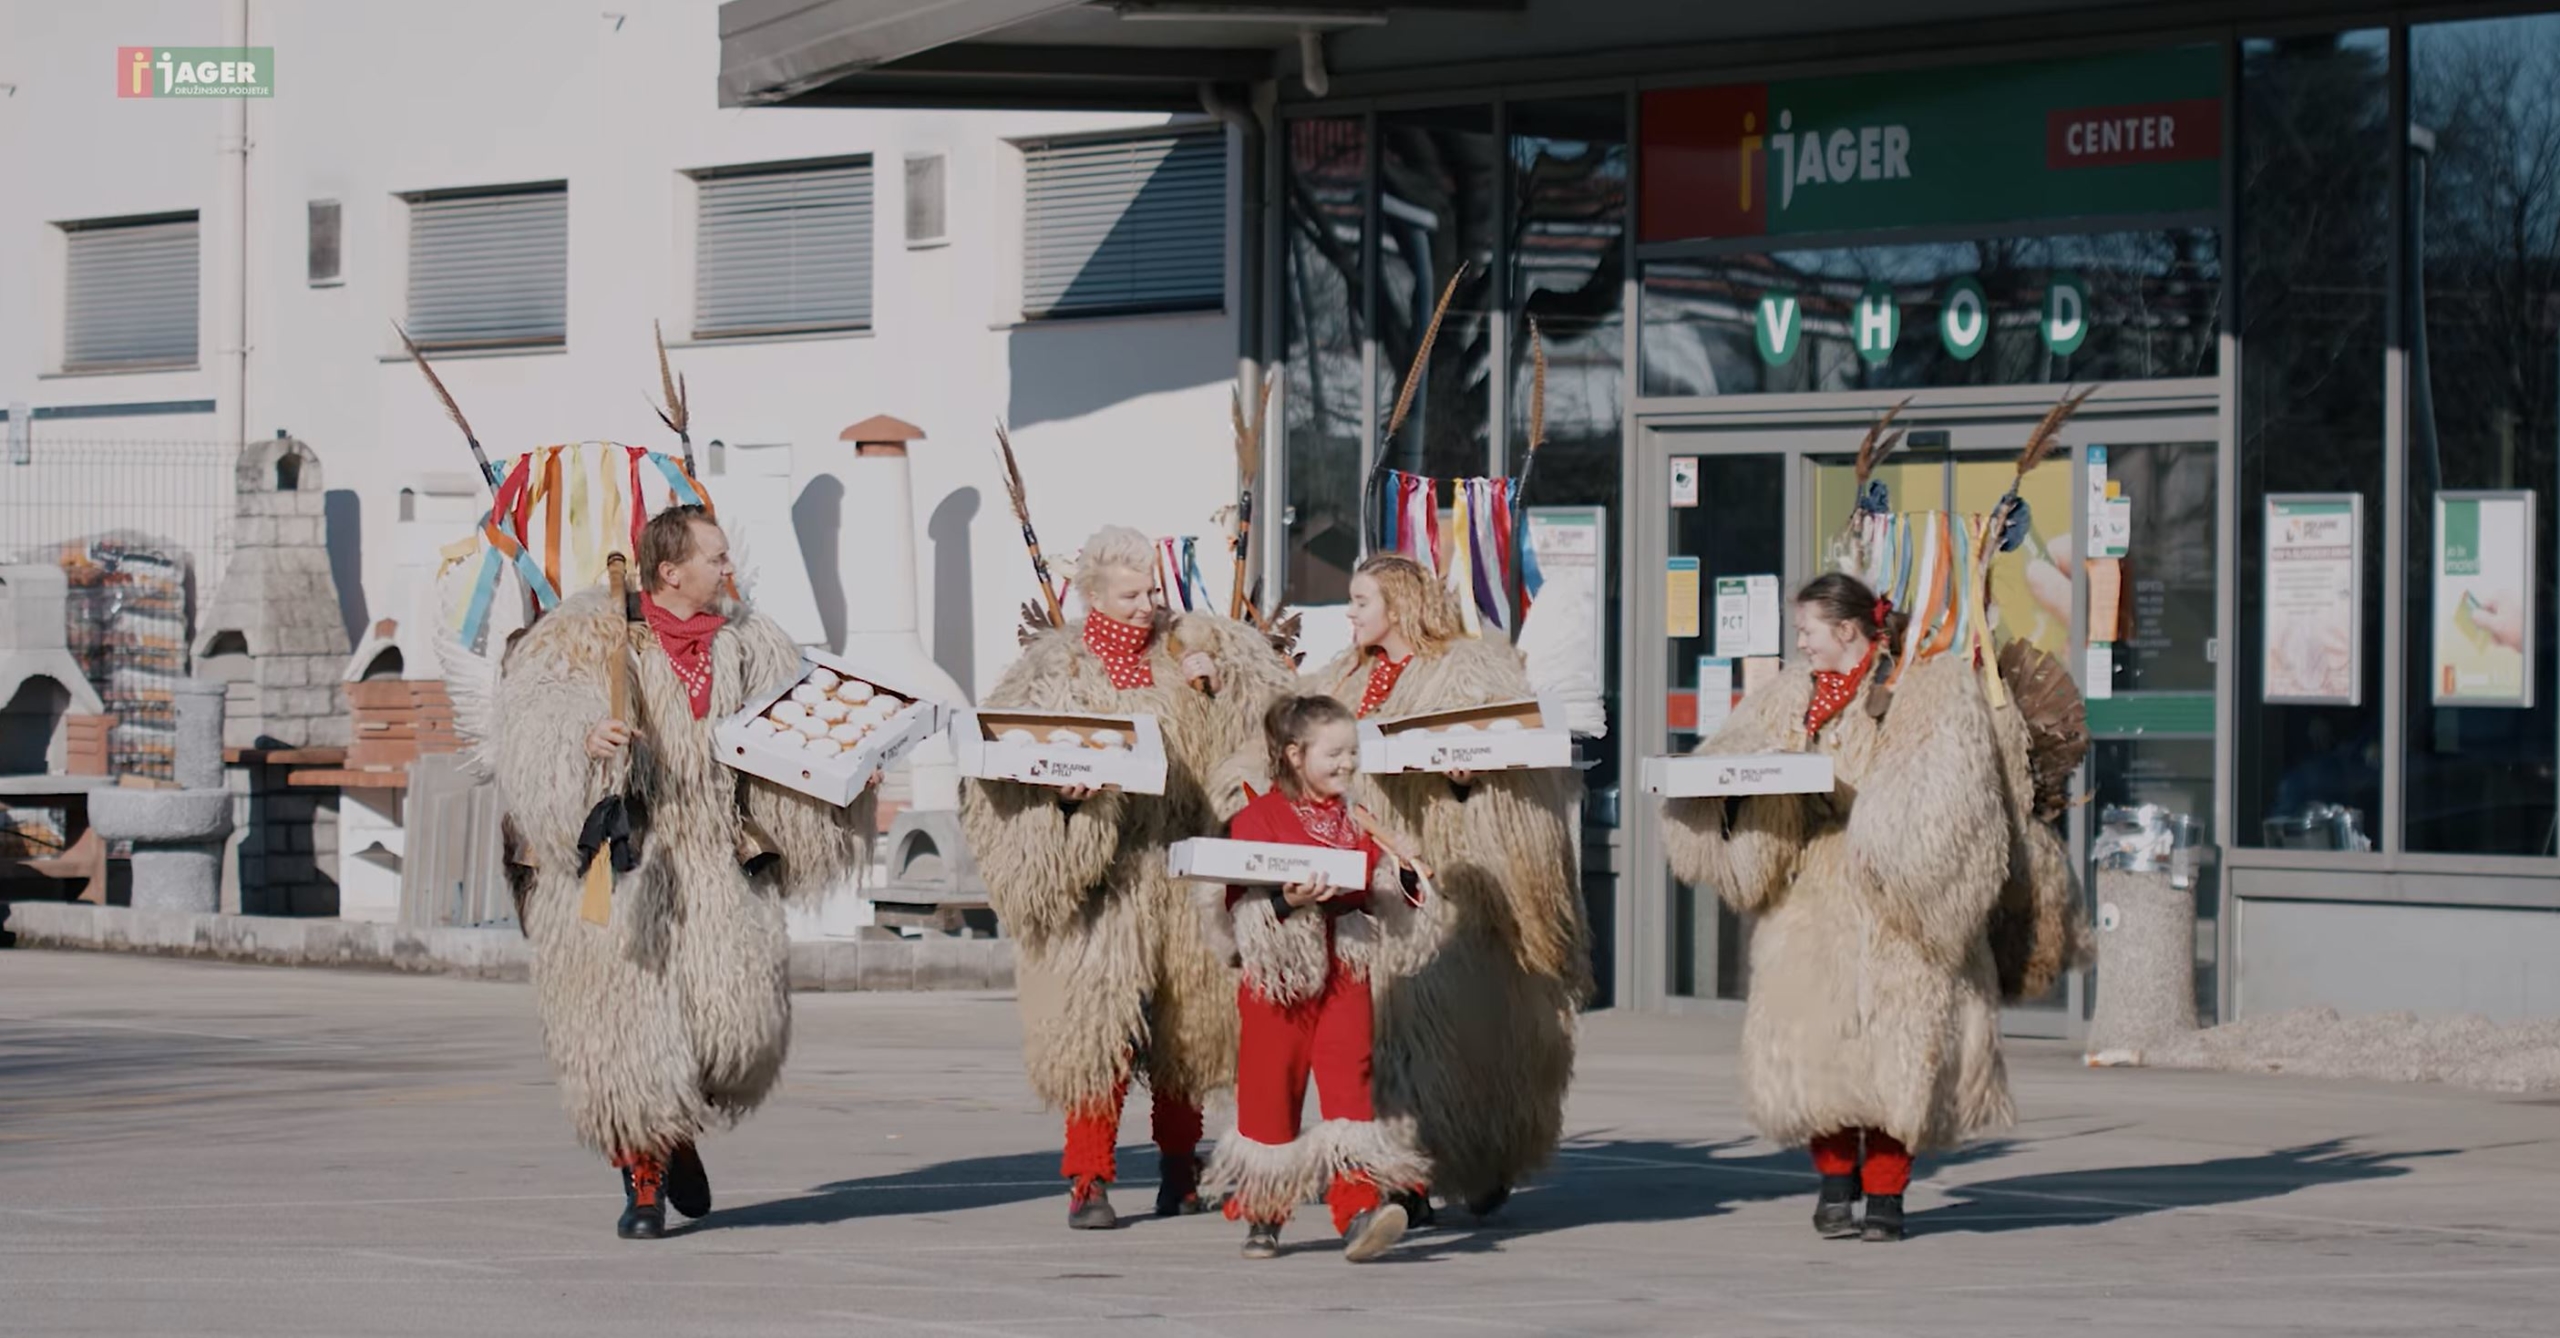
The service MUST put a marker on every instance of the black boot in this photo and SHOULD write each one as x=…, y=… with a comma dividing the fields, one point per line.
x=644, y=1203
x=1178, y=1188
x=1089, y=1206
x=1489, y=1202
x=688, y=1185
x=1262, y=1240
x=1884, y=1218
x=1834, y=1209
x=1417, y=1206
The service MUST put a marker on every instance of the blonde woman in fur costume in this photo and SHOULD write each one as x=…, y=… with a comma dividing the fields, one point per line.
x=1873, y=1028
x=672, y=1018
x=1304, y=1004
x=1112, y=969
x=1477, y=991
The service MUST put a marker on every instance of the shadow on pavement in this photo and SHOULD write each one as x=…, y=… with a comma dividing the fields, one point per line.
x=2083, y=1198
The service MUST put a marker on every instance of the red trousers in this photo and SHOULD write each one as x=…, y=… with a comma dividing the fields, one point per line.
x=1279, y=1047
x=1886, y=1168
x=1093, y=1136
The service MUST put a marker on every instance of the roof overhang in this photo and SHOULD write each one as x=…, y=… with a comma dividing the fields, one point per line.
x=1138, y=55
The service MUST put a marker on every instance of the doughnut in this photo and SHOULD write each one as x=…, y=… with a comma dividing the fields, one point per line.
x=1506, y=725
x=824, y=679
x=807, y=694
x=787, y=711
x=830, y=710
x=1017, y=736
x=810, y=726
x=848, y=733
x=1108, y=738
x=788, y=738
x=1462, y=727
x=1066, y=738
x=825, y=747
x=854, y=692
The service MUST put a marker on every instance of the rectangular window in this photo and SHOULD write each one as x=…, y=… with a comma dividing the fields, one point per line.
x=926, y=215
x=130, y=293
x=320, y=252
x=489, y=268
x=1439, y=203
x=2484, y=410
x=2315, y=260
x=1121, y=226
x=1324, y=264
x=783, y=250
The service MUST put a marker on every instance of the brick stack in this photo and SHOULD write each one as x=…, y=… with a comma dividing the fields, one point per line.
x=398, y=720
x=85, y=744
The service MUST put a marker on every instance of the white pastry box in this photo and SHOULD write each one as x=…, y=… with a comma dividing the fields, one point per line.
x=1503, y=736
x=1696, y=775
x=1214, y=860
x=1060, y=749
x=897, y=719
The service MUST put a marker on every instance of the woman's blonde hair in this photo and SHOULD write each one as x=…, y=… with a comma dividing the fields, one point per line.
x=1113, y=546
x=1418, y=605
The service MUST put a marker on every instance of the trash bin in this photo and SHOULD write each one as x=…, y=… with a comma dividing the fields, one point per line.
x=2146, y=928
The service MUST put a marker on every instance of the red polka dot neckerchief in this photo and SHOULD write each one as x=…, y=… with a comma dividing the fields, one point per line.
x=687, y=643
x=1383, y=674
x=1329, y=821
x=1832, y=692
x=1122, y=650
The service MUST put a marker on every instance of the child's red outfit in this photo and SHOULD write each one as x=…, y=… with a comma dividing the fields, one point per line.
x=1304, y=1010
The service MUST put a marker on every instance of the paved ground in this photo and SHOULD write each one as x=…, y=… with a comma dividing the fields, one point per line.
x=191, y=1148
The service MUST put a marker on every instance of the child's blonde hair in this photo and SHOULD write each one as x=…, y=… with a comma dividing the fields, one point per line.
x=1293, y=720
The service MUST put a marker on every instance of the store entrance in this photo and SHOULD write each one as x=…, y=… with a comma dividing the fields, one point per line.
x=1733, y=502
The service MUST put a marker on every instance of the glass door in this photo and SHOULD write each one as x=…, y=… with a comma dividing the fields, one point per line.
x=1756, y=509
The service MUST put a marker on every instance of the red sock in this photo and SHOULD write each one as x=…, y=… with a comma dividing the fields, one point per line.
x=1888, y=1168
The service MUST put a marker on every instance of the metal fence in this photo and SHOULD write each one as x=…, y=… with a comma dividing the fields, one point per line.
x=174, y=496
x=142, y=529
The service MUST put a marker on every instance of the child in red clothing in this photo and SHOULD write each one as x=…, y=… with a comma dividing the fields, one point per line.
x=1304, y=1005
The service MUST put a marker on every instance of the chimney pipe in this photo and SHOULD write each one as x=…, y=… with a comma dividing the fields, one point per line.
x=878, y=554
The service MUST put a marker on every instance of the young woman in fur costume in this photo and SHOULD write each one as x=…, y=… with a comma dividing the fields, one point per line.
x=1112, y=971
x=1477, y=992
x=1304, y=1002
x=673, y=1017
x=1873, y=1027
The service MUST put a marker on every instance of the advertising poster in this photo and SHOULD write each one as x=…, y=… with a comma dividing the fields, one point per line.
x=2484, y=599
x=2314, y=650
x=1567, y=544
x=1680, y=595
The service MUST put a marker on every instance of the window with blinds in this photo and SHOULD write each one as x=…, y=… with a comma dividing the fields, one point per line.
x=1125, y=225
x=129, y=293
x=489, y=268
x=783, y=250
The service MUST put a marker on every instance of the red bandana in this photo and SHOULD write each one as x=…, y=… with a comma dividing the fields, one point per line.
x=687, y=642
x=1329, y=821
x=1832, y=691
x=1122, y=650
x=1383, y=674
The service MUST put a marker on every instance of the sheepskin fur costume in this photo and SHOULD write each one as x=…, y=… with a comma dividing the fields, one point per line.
x=673, y=1017
x=1477, y=988
x=1874, y=999
x=1112, y=967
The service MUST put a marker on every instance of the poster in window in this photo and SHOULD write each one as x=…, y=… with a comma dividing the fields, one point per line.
x=2314, y=570
x=2484, y=599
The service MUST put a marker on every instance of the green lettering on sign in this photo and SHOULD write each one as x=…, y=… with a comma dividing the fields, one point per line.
x=2461, y=537
x=1779, y=327
x=2066, y=314
x=1964, y=320
x=1878, y=323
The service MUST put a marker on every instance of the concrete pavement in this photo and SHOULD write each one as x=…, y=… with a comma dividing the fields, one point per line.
x=209, y=1149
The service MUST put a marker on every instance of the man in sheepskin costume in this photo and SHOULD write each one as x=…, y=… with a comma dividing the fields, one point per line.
x=1477, y=989
x=1879, y=955
x=673, y=1017
x=1112, y=969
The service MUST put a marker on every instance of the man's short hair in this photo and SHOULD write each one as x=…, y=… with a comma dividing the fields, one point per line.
x=668, y=537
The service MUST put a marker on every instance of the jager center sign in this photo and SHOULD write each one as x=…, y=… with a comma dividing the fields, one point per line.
x=2103, y=136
